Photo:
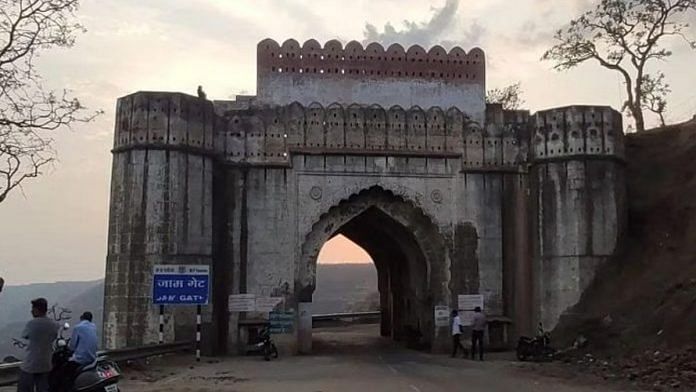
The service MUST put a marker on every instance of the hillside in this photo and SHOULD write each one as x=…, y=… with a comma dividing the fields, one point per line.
x=340, y=288
x=15, y=307
x=645, y=299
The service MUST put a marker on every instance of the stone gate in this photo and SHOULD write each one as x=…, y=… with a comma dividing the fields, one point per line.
x=394, y=148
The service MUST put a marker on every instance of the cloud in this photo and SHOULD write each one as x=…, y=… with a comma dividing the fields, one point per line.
x=422, y=33
x=530, y=35
x=575, y=6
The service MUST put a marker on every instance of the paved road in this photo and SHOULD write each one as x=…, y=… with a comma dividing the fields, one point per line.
x=346, y=360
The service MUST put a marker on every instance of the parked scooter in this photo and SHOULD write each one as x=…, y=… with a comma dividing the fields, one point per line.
x=100, y=376
x=537, y=348
x=266, y=345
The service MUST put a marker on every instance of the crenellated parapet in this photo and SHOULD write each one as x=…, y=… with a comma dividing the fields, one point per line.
x=311, y=60
x=577, y=131
x=271, y=134
x=370, y=75
x=163, y=119
x=501, y=144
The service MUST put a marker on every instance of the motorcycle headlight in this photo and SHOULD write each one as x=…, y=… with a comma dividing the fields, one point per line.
x=61, y=343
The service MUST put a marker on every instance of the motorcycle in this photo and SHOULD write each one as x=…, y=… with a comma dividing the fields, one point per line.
x=537, y=348
x=266, y=345
x=102, y=375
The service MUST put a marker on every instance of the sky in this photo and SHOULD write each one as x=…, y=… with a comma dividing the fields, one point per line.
x=55, y=229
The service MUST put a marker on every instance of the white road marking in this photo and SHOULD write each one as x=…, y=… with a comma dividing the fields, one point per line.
x=415, y=388
x=392, y=369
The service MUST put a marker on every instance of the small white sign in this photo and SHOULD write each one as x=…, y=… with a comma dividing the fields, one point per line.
x=267, y=304
x=442, y=316
x=242, y=303
x=467, y=317
x=470, y=302
x=180, y=269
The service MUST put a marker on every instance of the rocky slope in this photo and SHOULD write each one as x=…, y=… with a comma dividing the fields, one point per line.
x=639, y=315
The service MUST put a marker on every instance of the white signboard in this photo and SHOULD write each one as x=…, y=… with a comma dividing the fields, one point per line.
x=467, y=317
x=242, y=303
x=442, y=316
x=470, y=302
x=267, y=304
x=181, y=269
x=180, y=284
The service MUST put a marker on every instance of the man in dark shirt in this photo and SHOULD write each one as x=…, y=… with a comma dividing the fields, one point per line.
x=478, y=330
x=40, y=332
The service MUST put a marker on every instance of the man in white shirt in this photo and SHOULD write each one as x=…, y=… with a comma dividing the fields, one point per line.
x=457, y=334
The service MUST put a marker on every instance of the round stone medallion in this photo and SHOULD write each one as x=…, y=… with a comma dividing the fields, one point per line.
x=315, y=193
x=436, y=196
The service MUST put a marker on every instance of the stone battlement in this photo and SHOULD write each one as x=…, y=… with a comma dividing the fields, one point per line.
x=311, y=73
x=577, y=130
x=373, y=62
x=269, y=135
x=164, y=118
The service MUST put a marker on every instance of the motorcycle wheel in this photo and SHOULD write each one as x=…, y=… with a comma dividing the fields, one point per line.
x=521, y=353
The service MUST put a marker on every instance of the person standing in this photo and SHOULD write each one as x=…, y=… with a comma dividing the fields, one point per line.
x=478, y=329
x=40, y=332
x=457, y=334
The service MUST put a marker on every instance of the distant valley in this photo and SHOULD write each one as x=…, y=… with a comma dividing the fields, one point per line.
x=340, y=288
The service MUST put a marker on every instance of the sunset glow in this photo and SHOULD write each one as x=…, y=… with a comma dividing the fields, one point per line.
x=340, y=250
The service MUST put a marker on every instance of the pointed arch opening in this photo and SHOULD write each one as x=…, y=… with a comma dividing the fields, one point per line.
x=407, y=251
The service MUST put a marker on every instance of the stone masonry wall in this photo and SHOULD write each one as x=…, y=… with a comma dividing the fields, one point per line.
x=579, y=201
x=160, y=211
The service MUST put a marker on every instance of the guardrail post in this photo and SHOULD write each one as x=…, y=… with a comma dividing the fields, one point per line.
x=161, y=324
x=198, y=333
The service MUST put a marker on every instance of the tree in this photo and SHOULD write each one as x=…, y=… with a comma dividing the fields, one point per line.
x=625, y=36
x=653, y=98
x=510, y=97
x=29, y=112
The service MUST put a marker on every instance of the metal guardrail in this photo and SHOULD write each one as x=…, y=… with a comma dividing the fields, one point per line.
x=344, y=316
x=9, y=371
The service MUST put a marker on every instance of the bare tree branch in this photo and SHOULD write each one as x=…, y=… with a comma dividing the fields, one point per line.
x=624, y=36
x=59, y=313
x=510, y=97
x=29, y=113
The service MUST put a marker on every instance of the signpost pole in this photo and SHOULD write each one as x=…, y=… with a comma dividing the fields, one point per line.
x=198, y=333
x=161, y=324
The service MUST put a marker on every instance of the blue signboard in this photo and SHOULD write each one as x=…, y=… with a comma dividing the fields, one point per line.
x=180, y=284
x=281, y=322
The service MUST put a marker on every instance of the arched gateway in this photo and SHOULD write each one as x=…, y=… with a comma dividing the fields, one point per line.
x=408, y=251
x=395, y=149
